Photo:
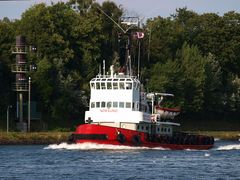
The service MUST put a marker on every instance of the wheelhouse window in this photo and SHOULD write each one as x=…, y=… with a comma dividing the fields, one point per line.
x=121, y=85
x=97, y=85
x=109, y=85
x=121, y=104
x=92, y=85
x=92, y=104
x=128, y=85
x=103, y=85
x=128, y=105
x=115, y=104
x=103, y=104
x=109, y=104
x=97, y=104
x=115, y=85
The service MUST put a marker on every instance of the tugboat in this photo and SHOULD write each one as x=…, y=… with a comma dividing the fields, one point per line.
x=121, y=113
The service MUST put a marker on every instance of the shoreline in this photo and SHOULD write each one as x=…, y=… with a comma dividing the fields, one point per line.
x=33, y=138
x=46, y=138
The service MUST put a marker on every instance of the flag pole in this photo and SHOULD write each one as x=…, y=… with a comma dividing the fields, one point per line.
x=139, y=47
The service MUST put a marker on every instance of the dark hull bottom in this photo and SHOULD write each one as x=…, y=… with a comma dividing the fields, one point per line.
x=91, y=133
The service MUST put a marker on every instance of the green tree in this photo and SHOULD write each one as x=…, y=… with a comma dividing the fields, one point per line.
x=192, y=64
x=167, y=78
x=213, y=98
x=61, y=37
x=6, y=41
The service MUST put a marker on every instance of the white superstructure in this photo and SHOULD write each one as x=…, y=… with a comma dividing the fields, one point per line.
x=116, y=99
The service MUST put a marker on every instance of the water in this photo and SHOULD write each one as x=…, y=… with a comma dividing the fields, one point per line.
x=90, y=161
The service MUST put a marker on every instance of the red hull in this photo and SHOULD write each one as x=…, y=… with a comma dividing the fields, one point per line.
x=99, y=134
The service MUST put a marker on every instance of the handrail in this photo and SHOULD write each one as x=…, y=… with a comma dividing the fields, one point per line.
x=116, y=76
x=20, y=86
x=19, y=49
x=23, y=68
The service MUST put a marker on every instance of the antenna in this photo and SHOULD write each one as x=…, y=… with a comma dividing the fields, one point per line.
x=104, y=67
x=99, y=70
x=131, y=22
x=112, y=20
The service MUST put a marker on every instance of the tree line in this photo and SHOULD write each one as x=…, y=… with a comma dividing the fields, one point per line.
x=194, y=56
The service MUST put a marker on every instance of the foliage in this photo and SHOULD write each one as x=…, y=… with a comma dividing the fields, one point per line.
x=192, y=56
x=6, y=41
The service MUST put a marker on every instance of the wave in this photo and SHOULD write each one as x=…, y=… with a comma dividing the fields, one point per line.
x=93, y=146
x=207, y=154
x=229, y=147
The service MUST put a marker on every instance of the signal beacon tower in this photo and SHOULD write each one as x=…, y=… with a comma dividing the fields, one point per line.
x=21, y=85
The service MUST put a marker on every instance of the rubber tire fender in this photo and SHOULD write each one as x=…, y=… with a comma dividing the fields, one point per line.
x=121, y=138
x=136, y=140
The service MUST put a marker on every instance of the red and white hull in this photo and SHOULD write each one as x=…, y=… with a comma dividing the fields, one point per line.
x=92, y=133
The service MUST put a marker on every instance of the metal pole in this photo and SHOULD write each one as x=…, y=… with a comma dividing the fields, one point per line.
x=21, y=108
x=104, y=68
x=9, y=106
x=139, y=46
x=7, y=118
x=149, y=43
x=29, y=103
x=153, y=104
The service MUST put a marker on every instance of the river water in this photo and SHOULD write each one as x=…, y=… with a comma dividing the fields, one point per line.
x=91, y=161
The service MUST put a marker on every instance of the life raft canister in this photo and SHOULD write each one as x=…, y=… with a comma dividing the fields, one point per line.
x=121, y=138
x=136, y=140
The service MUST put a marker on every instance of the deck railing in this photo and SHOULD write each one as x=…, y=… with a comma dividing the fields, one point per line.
x=19, y=68
x=20, y=87
x=19, y=49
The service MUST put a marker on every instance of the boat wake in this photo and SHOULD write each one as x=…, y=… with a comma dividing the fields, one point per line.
x=93, y=146
x=228, y=147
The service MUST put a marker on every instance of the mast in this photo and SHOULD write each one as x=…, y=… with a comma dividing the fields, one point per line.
x=129, y=23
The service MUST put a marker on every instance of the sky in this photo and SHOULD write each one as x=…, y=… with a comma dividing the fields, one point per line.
x=142, y=8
